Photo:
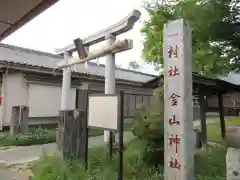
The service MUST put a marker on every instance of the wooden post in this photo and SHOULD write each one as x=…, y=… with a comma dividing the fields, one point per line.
x=178, y=109
x=82, y=125
x=67, y=117
x=82, y=136
x=72, y=134
x=19, y=120
x=64, y=140
x=59, y=133
x=82, y=129
x=221, y=115
x=203, y=109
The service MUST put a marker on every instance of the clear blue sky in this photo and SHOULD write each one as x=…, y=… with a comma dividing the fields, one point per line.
x=69, y=19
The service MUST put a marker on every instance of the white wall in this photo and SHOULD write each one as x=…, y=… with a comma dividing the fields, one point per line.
x=14, y=92
x=45, y=100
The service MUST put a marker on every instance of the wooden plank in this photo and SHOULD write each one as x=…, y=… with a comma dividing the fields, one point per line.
x=126, y=105
x=81, y=99
x=203, y=110
x=221, y=115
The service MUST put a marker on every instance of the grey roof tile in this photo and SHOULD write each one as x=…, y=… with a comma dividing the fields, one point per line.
x=232, y=77
x=26, y=56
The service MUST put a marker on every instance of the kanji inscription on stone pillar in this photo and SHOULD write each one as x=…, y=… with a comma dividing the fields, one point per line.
x=179, y=145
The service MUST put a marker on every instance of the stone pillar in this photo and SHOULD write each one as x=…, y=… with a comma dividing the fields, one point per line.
x=178, y=106
x=24, y=119
x=19, y=120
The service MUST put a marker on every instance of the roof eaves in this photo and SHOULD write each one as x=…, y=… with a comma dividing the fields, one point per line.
x=31, y=51
x=45, y=4
x=8, y=64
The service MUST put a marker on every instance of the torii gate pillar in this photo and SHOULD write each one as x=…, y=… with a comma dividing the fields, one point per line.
x=66, y=84
x=110, y=82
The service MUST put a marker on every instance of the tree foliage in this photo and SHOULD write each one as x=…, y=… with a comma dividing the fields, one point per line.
x=215, y=37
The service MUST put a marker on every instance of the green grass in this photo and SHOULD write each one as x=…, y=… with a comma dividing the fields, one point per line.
x=36, y=136
x=98, y=132
x=210, y=165
x=214, y=130
x=212, y=115
x=42, y=136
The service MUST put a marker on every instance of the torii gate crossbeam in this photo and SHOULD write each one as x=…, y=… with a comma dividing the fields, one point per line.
x=113, y=47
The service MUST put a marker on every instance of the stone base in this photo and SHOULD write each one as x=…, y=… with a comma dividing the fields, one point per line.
x=197, y=138
x=233, y=164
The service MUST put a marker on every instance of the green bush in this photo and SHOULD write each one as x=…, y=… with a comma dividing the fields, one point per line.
x=148, y=125
x=34, y=136
x=149, y=128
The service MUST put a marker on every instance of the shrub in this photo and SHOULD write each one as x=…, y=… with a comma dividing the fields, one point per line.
x=209, y=165
x=99, y=167
x=149, y=127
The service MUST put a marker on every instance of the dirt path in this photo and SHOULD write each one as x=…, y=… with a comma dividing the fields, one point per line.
x=20, y=155
x=14, y=174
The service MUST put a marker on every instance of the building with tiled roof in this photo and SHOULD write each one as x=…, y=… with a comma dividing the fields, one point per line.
x=27, y=78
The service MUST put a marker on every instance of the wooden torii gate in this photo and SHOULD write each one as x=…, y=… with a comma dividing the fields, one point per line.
x=81, y=46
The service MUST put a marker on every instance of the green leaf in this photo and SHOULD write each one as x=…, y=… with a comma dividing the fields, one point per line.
x=215, y=37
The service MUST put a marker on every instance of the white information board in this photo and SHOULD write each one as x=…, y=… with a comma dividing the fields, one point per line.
x=103, y=111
